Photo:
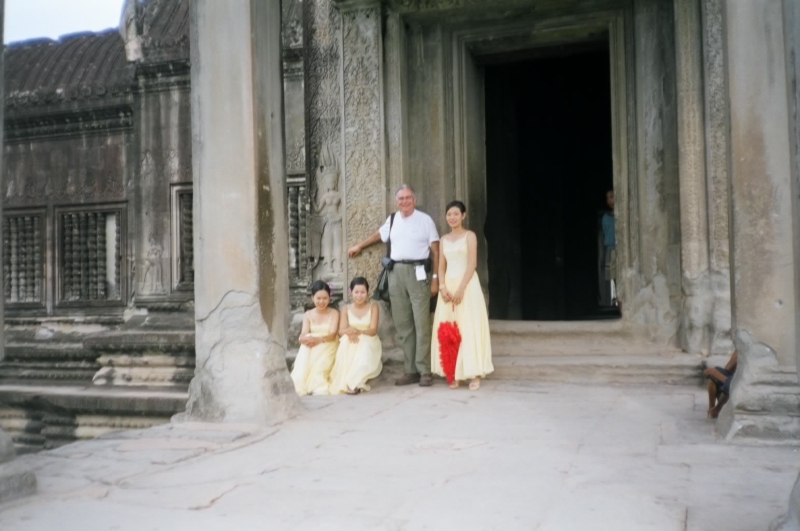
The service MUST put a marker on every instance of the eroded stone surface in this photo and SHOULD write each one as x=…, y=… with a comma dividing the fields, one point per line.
x=525, y=455
x=6, y=447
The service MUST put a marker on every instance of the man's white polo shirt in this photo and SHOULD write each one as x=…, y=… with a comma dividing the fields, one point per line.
x=412, y=236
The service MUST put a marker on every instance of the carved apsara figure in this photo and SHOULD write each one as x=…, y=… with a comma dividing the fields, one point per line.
x=151, y=280
x=328, y=205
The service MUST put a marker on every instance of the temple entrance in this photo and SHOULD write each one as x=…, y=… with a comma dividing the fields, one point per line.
x=548, y=167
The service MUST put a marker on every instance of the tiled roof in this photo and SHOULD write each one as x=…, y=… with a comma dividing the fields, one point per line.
x=79, y=66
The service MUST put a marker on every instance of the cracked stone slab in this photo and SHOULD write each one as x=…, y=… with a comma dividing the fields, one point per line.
x=198, y=431
x=536, y=456
x=16, y=481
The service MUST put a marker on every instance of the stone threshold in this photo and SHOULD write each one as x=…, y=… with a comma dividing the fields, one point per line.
x=672, y=368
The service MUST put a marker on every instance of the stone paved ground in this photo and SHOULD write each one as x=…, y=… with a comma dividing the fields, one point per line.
x=511, y=456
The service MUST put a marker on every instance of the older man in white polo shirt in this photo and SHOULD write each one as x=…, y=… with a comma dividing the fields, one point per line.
x=415, y=253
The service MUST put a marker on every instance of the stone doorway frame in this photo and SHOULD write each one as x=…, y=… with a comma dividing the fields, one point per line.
x=469, y=128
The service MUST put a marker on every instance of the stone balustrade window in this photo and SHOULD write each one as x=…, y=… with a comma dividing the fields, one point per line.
x=182, y=237
x=24, y=258
x=89, y=255
x=298, y=219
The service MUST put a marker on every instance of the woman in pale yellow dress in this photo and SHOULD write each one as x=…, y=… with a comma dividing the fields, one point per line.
x=461, y=300
x=312, y=367
x=358, y=359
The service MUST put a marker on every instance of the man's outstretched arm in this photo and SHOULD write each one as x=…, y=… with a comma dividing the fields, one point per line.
x=372, y=239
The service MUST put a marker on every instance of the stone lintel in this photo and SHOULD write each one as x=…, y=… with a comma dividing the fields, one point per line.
x=352, y=5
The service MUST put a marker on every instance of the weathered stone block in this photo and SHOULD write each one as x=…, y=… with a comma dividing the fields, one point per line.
x=16, y=481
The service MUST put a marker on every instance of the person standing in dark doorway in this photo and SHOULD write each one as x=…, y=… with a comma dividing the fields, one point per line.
x=610, y=244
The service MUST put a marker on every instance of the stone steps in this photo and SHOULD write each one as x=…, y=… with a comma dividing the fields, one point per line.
x=143, y=357
x=568, y=339
x=47, y=360
x=586, y=352
x=41, y=416
x=47, y=350
x=674, y=368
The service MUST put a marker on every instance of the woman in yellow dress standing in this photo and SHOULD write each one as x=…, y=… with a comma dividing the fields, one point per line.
x=359, y=356
x=461, y=300
x=314, y=361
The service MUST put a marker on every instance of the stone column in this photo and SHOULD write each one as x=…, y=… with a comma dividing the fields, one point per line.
x=15, y=481
x=395, y=117
x=241, y=240
x=717, y=151
x=658, y=228
x=362, y=130
x=692, y=174
x=763, y=238
x=2, y=186
x=791, y=12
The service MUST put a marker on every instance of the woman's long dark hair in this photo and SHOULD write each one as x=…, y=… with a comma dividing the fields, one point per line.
x=319, y=285
x=359, y=281
x=457, y=204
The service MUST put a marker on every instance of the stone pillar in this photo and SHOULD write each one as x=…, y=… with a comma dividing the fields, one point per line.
x=717, y=151
x=15, y=480
x=395, y=118
x=692, y=174
x=658, y=230
x=362, y=130
x=763, y=238
x=2, y=187
x=791, y=12
x=241, y=240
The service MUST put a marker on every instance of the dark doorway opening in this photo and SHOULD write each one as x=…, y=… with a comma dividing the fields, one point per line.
x=549, y=165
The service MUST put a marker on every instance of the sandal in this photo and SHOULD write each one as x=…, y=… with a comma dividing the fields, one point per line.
x=453, y=385
x=475, y=384
x=353, y=392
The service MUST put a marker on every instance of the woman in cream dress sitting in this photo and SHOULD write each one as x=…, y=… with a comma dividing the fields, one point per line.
x=314, y=361
x=461, y=300
x=359, y=356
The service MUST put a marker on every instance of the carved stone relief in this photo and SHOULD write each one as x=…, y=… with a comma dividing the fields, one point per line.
x=152, y=277
x=443, y=5
x=363, y=140
x=717, y=132
x=717, y=150
x=292, y=23
x=327, y=207
x=323, y=25
x=296, y=156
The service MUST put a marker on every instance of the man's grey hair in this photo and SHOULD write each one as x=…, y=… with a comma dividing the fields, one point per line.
x=406, y=187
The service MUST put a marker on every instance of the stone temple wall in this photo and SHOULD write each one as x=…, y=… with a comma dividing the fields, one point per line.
x=98, y=178
x=98, y=226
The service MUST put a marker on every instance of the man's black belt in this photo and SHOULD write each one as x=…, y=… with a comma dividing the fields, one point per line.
x=427, y=262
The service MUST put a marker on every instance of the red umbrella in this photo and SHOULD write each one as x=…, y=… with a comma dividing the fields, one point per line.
x=449, y=343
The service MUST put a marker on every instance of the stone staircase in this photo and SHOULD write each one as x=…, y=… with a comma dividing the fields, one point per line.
x=47, y=416
x=586, y=352
x=60, y=382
